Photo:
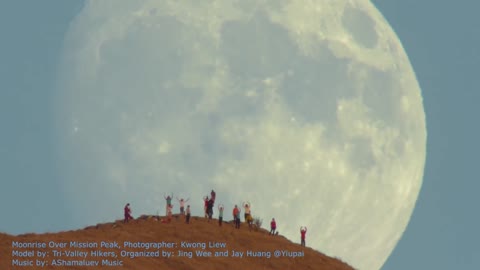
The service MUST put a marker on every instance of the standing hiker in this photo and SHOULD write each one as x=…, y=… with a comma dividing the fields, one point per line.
x=210, y=209
x=169, y=212
x=187, y=218
x=213, y=195
x=182, y=205
x=205, y=206
x=303, y=231
x=273, y=226
x=248, y=214
x=220, y=214
x=168, y=199
x=127, y=213
x=247, y=210
x=236, y=217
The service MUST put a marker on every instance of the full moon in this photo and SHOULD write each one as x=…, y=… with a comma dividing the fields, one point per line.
x=310, y=110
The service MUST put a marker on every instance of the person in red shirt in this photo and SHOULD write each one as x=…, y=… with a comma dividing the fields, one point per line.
x=127, y=213
x=273, y=227
x=303, y=231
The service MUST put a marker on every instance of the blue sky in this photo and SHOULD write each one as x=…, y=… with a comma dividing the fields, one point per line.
x=442, y=41
x=443, y=44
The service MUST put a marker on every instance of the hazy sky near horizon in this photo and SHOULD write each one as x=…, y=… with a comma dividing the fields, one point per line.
x=440, y=37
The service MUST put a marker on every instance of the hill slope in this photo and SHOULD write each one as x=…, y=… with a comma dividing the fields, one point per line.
x=174, y=238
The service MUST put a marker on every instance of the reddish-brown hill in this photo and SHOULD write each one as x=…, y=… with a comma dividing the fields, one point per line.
x=149, y=230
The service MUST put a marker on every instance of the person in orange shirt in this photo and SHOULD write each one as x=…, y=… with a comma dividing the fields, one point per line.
x=236, y=217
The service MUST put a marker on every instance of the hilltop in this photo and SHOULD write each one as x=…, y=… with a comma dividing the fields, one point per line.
x=199, y=236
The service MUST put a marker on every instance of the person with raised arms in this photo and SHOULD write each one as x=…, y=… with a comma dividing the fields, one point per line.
x=168, y=199
x=303, y=231
x=248, y=214
x=182, y=205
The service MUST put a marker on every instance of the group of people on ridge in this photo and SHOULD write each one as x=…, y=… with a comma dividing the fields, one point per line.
x=208, y=211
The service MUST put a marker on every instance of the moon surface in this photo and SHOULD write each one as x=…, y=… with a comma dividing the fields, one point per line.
x=310, y=110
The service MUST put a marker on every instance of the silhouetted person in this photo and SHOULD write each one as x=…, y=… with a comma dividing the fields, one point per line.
x=303, y=231
x=213, y=195
x=127, y=213
x=210, y=209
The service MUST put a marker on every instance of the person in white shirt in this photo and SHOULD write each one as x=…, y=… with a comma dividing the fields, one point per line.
x=182, y=204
